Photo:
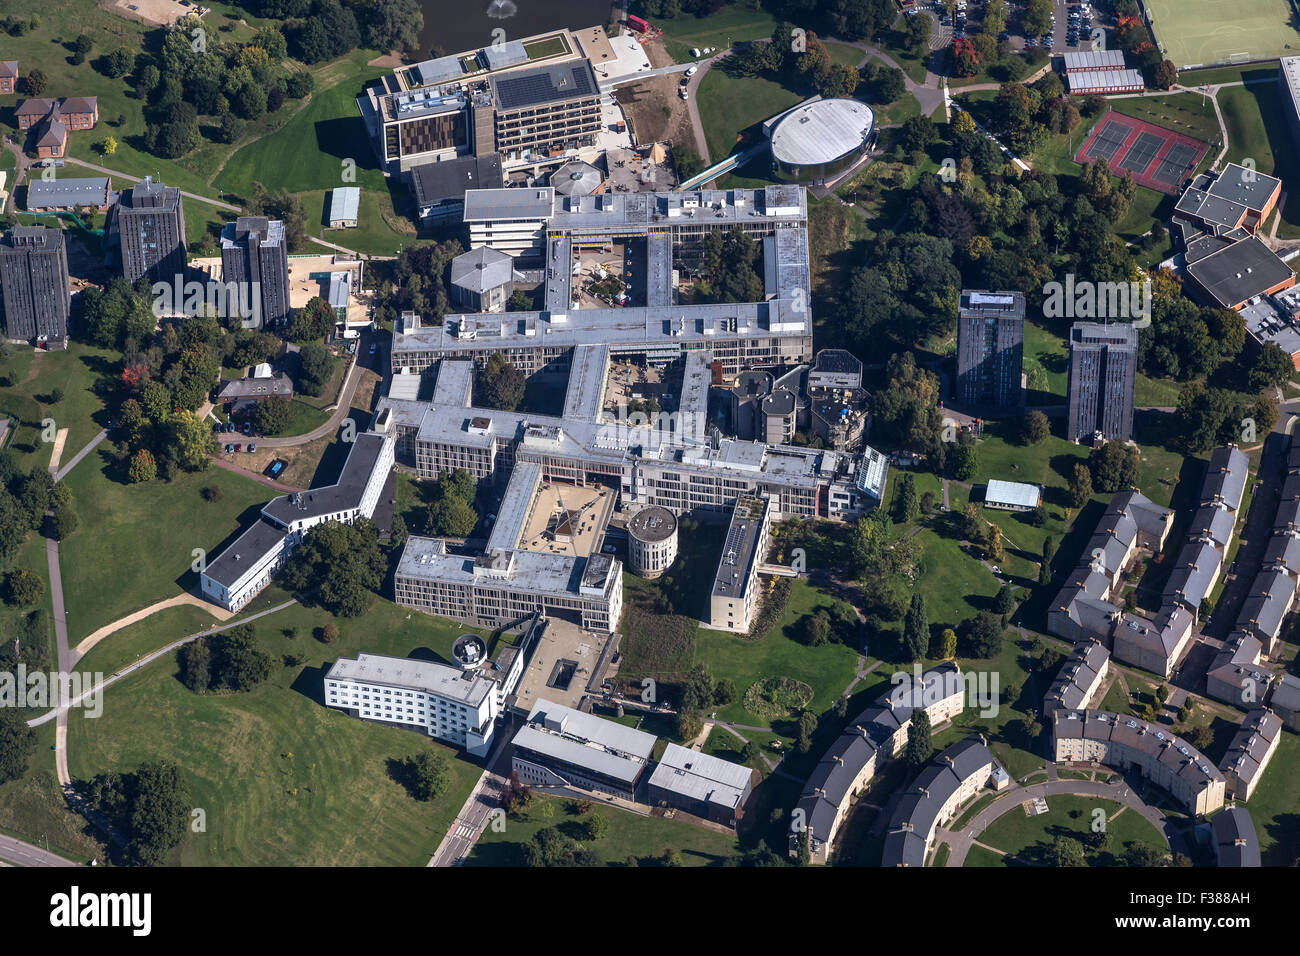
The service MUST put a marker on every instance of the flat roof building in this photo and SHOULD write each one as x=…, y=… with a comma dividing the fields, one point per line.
x=439, y=188
x=54, y=195
x=34, y=285
x=734, y=598
x=449, y=704
x=563, y=747
x=1012, y=495
x=149, y=222
x=344, y=207
x=255, y=255
x=990, y=348
x=701, y=784
x=1102, y=382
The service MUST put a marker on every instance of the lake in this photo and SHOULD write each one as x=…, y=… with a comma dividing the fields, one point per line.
x=458, y=25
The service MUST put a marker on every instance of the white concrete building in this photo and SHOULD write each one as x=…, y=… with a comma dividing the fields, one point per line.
x=453, y=705
x=236, y=576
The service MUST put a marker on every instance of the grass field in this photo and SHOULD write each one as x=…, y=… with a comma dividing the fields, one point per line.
x=1201, y=32
x=75, y=369
x=729, y=106
x=732, y=24
x=33, y=808
x=630, y=835
x=110, y=570
x=284, y=779
x=1025, y=839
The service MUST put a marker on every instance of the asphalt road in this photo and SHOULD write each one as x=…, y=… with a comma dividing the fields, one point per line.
x=18, y=853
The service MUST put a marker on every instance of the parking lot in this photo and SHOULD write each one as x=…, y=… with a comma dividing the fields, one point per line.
x=1074, y=29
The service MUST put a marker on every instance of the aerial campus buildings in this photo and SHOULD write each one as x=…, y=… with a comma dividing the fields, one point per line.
x=1085, y=608
x=1115, y=740
x=245, y=567
x=34, y=283
x=820, y=138
x=1102, y=382
x=873, y=738
x=990, y=348
x=149, y=223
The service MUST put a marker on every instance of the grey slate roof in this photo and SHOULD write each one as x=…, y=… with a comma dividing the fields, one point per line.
x=482, y=269
x=1267, y=603
x=1225, y=478
x=1235, y=840
x=1193, y=573
x=917, y=812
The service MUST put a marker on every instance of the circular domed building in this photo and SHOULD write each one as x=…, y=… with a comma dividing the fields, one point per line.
x=820, y=138
x=469, y=652
x=652, y=541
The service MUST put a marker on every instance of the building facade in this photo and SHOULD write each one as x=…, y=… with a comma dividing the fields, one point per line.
x=34, y=281
x=1103, y=380
x=990, y=348
x=255, y=254
x=149, y=220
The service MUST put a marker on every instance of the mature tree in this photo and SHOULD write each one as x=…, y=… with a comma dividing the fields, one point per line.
x=918, y=132
x=1080, y=489
x=452, y=517
x=143, y=467
x=1114, y=466
x=985, y=636
x=1272, y=367
x=192, y=444
x=964, y=457
x=1065, y=851
x=1142, y=854
x=1034, y=428
x=428, y=774
x=17, y=743
x=1045, y=566
x=35, y=82
x=1165, y=75
x=273, y=415
x=806, y=727
x=500, y=384
x=24, y=588
x=916, y=628
x=312, y=322
x=341, y=563
x=238, y=662
x=196, y=665
x=315, y=369
x=948, y=644
x=906, y=506
x=920, y=748
x=160, y=811
x=1005, y=602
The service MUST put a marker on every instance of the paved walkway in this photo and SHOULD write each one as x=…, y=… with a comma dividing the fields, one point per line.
x=56, y=453
x=335, y=420
x=1118, y=792
x=180, y=600
x=76, y=459
x=135, y=179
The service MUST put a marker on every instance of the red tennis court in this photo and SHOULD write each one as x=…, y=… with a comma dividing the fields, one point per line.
x=1159, y=158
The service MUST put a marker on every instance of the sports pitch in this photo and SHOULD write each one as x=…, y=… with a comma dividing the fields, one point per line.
x=1206, y=32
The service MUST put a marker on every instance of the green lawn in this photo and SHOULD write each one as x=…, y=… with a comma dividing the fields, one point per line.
x=828, y=669
x=730, y=25
x=283, y=778
x=33, y=808
x=1273, y=806
x=75, y=369
x=844, y=54
x=109, y=570
x=143, y=637
x=630, y=835
x=1027, y=838
x=729, y=106
x=1197, y=32
x=1250, y=112
x=1188, y=113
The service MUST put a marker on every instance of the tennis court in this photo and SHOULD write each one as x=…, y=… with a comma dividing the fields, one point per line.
x=1207, y=32
x=1158, y=158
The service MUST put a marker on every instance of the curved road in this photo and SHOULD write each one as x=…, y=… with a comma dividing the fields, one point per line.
x=1121, y=793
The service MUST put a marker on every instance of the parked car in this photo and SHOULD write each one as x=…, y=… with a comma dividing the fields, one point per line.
x=229, y=448
x=239, y=446
x=691, y=70
x=372, y=348
x=252, y=447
